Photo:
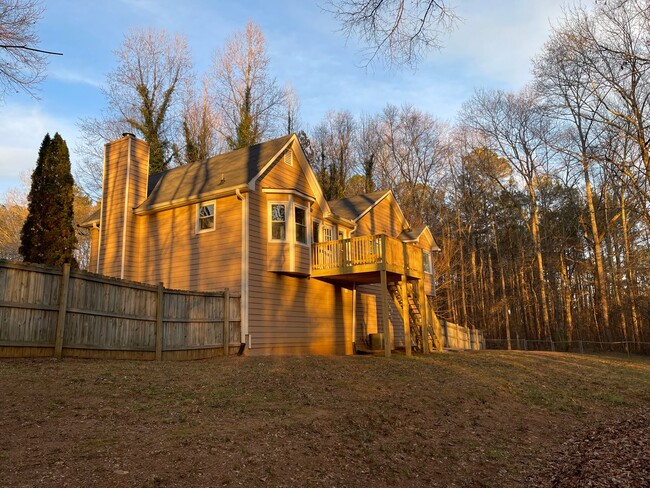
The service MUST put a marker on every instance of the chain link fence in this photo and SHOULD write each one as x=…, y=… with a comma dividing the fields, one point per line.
x=579, y=346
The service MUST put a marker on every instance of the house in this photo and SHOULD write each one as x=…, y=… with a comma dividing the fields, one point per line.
x=314, y=276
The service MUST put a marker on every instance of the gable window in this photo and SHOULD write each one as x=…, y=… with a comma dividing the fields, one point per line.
x=205, y=217
x=426, y=261
x=278, y=222
x=300, y=214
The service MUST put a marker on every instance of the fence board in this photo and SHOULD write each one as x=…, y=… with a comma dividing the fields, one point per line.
x=106, y=317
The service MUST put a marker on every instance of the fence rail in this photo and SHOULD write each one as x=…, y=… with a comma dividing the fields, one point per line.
x=59, y=312
x=579, y=346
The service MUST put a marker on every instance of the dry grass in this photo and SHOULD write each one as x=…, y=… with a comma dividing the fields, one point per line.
x=482, y=419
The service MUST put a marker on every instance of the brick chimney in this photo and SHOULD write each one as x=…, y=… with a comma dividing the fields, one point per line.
x=124, y=187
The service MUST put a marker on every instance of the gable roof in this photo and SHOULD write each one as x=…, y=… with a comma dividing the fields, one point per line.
x=354, y=207
x=212, y=176
x=413, y=235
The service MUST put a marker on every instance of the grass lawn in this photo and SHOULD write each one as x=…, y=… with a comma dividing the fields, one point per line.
x=471, y=419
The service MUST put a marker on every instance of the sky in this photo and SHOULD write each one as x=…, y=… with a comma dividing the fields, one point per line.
x=490, y=48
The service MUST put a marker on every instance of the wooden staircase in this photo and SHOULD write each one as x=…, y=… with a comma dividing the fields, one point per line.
x=415, y=316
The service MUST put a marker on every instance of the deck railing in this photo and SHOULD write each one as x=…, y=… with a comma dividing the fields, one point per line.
x=380, y=250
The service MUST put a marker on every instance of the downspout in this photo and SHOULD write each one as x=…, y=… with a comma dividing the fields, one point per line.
x=244, y=271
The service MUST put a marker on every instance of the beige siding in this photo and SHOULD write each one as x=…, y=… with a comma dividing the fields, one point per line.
x=281, y=175
x=172, y=252
x=382, y=219
x=278, y=256
x=291, y=315
x=394, y=315
x=125, y=187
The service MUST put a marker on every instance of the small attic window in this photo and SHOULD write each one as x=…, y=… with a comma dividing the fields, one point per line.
x=288, y=157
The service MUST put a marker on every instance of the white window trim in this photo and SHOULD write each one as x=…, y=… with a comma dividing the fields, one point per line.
x=307, y=224
x=198, y=229
x=320, y=230
x=427, y=255
x=286, y=223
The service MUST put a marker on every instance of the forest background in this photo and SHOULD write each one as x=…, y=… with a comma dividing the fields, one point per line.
x=539, y=198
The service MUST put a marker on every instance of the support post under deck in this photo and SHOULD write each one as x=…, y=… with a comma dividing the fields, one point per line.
x=406, y=316
x=384, y=312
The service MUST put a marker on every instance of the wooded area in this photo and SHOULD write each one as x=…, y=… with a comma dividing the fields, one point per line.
x=539, y=198
x=47, y=311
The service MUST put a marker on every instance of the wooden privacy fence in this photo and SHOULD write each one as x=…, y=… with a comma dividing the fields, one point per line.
x=460, y=337
x=58, y=312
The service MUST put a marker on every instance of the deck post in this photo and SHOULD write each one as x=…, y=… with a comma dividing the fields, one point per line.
x=384, y=310
x=424, y=311
x=406, y=316
x=354, y=318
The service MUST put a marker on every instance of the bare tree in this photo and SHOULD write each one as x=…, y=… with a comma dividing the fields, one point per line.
x=141, y=96
x=413, y=152
x=291, y=109
x=517, y=129
x=564, y=82
x=333, y=143
x=22, y=67
x=200, y=126
x=246, y=97
x=396, y=31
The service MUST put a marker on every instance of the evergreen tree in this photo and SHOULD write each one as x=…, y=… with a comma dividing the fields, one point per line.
x=48, y=235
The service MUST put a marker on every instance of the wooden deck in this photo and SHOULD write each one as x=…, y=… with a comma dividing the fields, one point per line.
x=361, y=259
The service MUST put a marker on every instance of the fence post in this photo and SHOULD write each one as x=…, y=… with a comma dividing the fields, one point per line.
x=63, y=305
x=525, y=345
x=226, y=321
x=159, y=320
x=582, y=349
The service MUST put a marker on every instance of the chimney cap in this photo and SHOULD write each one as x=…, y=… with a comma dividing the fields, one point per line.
x=127, y=134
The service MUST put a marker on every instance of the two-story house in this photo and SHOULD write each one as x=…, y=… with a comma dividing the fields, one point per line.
x=314, y=276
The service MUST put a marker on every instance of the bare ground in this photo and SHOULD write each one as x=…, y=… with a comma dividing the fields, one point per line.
x=480, y=419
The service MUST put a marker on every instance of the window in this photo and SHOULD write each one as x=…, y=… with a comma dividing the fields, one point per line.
x=315, y=231
x=278, y=222
x=328, y=232
x=426, y=260
x=301, y=224
x=205, y=217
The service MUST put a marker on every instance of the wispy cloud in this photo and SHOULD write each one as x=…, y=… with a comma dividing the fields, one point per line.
x=22, y=129
x=68, y=76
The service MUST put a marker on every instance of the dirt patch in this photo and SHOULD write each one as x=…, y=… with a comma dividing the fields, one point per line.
x=486, y=419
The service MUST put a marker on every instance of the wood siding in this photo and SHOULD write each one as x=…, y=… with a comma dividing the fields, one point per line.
x=394, y=315
x=382, y=219
x=172, y=252
x=288, y=314
x=126, y=163
x=281, y=175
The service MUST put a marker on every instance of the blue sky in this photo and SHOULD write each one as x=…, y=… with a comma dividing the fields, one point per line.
x=490, y=48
